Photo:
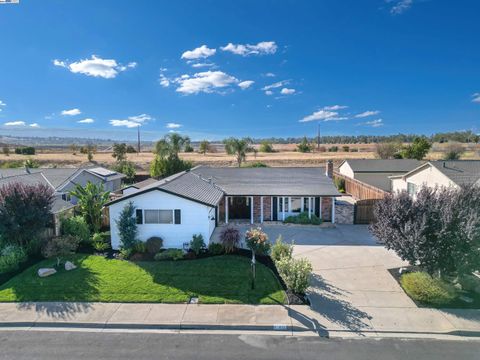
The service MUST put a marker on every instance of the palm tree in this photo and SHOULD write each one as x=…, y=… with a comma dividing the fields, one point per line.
x=170, y=144
x=239, y=148
x=91, y=200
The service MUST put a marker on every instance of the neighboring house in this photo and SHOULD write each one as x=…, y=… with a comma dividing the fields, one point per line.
x=454, y=173
x=196, y=201
x=377, y=172
x=62, y=181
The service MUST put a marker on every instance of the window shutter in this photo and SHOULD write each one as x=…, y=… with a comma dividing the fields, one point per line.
x=139, y=215
x=178, y=216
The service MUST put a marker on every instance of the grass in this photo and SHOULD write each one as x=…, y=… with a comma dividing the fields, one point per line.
x=423, y=288
x=215, y=280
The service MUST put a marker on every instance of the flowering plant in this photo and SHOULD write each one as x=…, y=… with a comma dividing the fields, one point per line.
x=257, y=241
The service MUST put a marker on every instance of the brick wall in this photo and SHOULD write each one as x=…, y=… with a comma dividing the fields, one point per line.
x=267, y=208
x=326, y=208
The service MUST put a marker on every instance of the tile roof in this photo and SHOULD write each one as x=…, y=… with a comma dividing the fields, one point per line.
x=383, y=165
x=272, y=181
x=461, y=172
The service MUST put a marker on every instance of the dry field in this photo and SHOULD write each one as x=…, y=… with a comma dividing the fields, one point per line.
x=285, y=156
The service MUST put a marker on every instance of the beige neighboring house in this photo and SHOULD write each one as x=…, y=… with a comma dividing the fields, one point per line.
x=454, y=173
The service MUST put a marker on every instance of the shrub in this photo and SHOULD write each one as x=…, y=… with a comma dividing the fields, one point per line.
x=295, y=273
x=303, y=219
x=154, y=244
x=76, y=226
x=340, y=184
x=257, y=241
x=197, y=244
x=422, y=287
x=256, y=164
x=127, y=226
x=170, y=254
x=322, y=149
x=140, y=247
x=346, y=148
x=11, y=258
x=333, y=149
x=281, y=250
x=304, y=146
x=60, y=246
x=266, y=147
x=29, y=150
x=230, y=239
x=216, y=249
x=354, y=150
x=99, y=244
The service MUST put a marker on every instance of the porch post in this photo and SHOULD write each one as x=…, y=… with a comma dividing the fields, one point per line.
x=251, y=209
x=261, y=209
x=320, y=208
x=309, y=207
x=226, y=209
x=333, y=210
x=283, y=208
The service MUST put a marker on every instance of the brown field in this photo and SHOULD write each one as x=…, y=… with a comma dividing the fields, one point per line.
x=285, y=156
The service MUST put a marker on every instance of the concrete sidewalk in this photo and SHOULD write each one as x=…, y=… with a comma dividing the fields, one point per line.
x=291, y=320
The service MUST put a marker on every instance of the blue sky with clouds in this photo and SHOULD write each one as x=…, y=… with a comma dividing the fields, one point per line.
x=212, y=69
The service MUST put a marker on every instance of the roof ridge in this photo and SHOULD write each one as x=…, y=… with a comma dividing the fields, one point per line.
x=209, y=182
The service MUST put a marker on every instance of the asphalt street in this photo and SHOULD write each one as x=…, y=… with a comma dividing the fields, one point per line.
x=101, y=345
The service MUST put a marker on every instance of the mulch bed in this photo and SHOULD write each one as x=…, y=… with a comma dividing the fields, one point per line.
x=456, y=304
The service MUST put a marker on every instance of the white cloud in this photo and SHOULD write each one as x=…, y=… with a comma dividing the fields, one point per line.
x=276, y=85
x=15, y=123
x=2, y=104
x=269, y=74
x=71, y=112
x=262, y=48
x=164, y=81
x=374, y=123
x=287, y=91
x=269, y=92
x=201, y=52
x=132, y=121
x=367, y=113
x=476, y=98
x=335, y=107
x=173, y=126
x=200, y=65
x=399, y=6
x=207, y=82
x=86, y=121
x=34, y=125
x=96, y=66
x=245, y=84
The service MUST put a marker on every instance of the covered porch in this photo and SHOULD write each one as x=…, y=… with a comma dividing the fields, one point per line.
x=258, y=209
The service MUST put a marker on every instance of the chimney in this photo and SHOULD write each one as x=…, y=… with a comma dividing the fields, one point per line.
x=329, y=169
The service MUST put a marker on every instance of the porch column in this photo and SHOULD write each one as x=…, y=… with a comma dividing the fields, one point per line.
x=333, y=210
x=283, y=208
x=261, y=209
x=226, y=209
x=309, y=207
x=251, y=209
x=320, y=208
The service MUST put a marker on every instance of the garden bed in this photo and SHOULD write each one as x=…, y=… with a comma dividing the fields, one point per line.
x=215, y=280
x=456, y=303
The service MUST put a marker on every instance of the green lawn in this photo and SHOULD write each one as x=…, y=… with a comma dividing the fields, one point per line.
x=219, y=279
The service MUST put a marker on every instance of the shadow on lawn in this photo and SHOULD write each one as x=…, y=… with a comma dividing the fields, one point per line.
x=60, y=296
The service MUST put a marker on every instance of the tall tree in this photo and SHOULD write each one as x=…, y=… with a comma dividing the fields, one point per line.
x=91, y=200
x=167, y=162
x=119, y=151
x=204, y=147
x=417, y=150
x=239, y=148
x=127, y=227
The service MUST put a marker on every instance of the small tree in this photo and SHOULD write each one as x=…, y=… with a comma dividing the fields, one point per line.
x=91, y=200
x=24, y=212
x=239, y=148
x=127, y=227
x=304, y=146
x=73, y=149
x=387, y=150
x=454, y=151
x=166, y=166
x=204, y=147
x=119, y=152
x=257, y=241
x=417, y=150
x=131, y=149
x=128, y=169
x=60, y=247
x=6, y=150
x=266, y=147
x=31, y=164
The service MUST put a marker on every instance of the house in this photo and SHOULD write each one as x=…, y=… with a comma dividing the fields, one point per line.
x=62, y=181
x=377, y=172
x=196, y=201
x=452, y=173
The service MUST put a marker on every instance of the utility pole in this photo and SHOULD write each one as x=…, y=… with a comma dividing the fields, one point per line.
x=138, y=139
x=318, y=137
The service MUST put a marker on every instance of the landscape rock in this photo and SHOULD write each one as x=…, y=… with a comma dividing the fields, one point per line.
x=69, y=266
x=403, y=270
x=44, y=272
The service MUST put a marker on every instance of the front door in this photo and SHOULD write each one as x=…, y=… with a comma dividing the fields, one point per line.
x=239, y=208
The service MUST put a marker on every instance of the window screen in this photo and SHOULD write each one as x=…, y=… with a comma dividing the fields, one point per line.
x=296, y=204
x=158, y=216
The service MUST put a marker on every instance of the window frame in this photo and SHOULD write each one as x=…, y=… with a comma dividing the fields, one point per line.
x=172, y=222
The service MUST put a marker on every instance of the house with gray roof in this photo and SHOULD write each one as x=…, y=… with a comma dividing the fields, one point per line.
x=197, y=201
x=451, y=173
x=377, y=172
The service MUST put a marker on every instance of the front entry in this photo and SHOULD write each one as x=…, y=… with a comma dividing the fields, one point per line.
x=239, y=207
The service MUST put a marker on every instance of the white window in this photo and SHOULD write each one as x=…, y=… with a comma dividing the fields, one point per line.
x=66, y=197
x=305, y=204
x=296, y=204
x=411, y=188
x=280, y=204
x=158, y=216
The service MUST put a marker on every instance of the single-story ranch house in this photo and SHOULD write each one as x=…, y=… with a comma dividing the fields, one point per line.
x=196, y=201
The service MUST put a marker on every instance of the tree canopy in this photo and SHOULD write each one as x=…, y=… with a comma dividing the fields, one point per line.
x=239, y=148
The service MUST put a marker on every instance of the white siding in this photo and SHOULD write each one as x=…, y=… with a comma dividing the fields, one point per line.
x=346, y=170
x=428, y=176
x=195, y=219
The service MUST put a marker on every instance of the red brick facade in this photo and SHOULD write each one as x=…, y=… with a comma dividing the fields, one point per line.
x=326, y=208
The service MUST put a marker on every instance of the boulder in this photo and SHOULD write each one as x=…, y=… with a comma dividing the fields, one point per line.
x=44, y=272
x=403, y=270
x=69, y=266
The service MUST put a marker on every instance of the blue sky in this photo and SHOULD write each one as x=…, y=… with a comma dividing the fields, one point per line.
x=212, y=69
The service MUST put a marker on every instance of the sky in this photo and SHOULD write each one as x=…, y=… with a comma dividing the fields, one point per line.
x=214, y=69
